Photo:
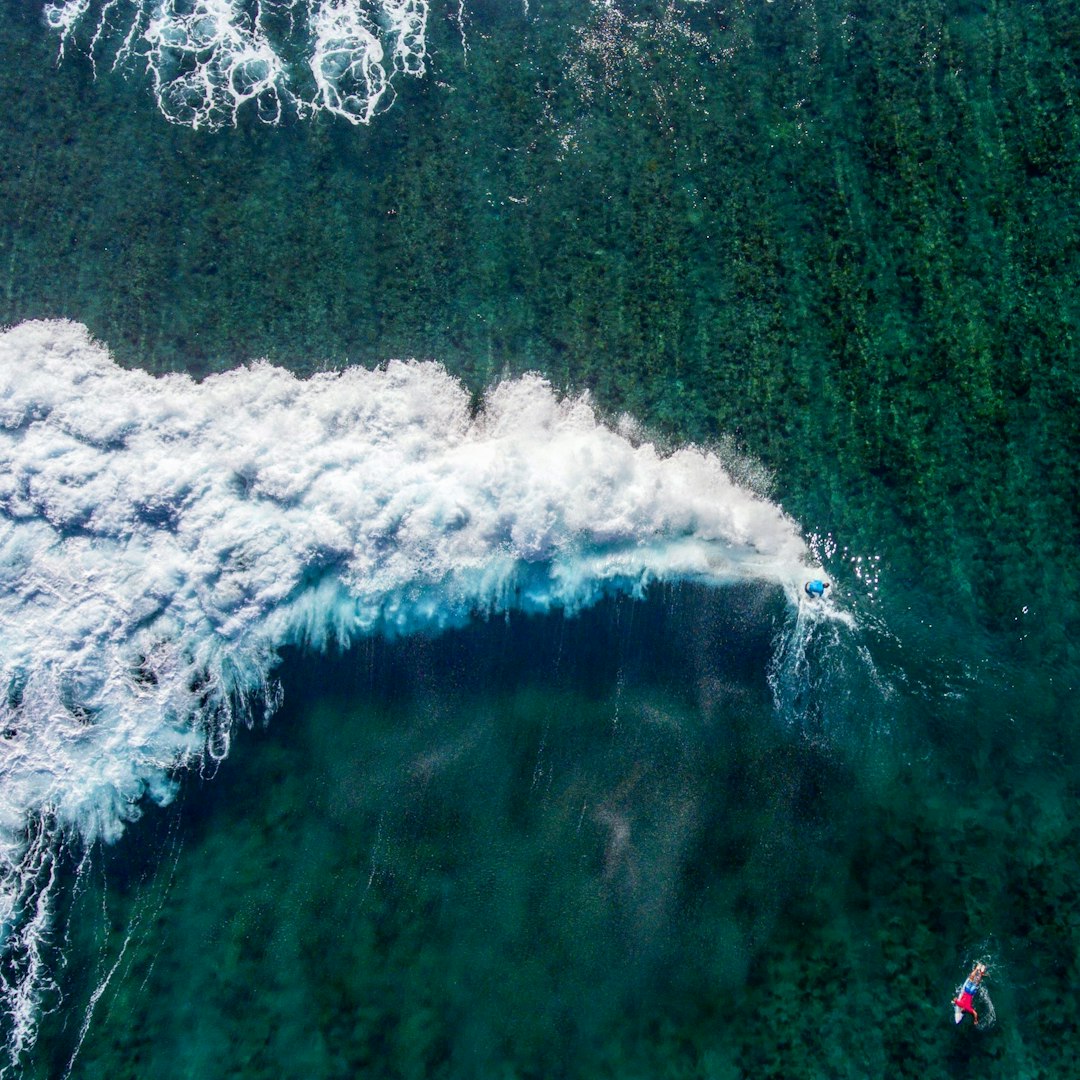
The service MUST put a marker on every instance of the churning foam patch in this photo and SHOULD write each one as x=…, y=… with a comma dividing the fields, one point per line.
x=162, y=539
x=207, y=59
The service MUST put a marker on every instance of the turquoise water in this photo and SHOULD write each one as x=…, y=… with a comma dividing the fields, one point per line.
x=833, y=242
x=582, y=848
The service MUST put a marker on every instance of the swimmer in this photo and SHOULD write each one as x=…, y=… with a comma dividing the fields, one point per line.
x=816, y=588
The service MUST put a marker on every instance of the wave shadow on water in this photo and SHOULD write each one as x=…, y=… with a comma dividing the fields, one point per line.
x=519, y=844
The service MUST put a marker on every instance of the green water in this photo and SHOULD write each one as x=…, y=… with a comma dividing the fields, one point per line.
x=586, y=848
x=843, y=236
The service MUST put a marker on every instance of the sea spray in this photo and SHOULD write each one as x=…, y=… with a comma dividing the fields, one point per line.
x=161, y=540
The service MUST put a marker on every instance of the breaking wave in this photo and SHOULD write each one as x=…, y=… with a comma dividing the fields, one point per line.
x=162, y=539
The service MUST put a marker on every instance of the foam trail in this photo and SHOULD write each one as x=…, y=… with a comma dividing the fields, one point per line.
x=161, y=540
x=207, y=59
x=347, y=62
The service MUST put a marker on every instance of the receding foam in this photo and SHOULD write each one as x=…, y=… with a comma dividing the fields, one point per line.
x=209, y=58
x=161, y=540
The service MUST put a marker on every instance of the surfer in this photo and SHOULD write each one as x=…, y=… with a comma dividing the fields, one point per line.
x=963, y=1003
x=816, y=588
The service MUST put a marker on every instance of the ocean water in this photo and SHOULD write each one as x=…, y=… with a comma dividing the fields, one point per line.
x=417, y=423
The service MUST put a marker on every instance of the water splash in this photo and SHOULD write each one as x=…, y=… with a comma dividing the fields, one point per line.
x=986, y=1011
x=161, y=540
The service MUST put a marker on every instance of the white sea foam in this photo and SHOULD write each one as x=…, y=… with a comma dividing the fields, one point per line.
x=161, y=540
x=207, y=59
x=347, y=54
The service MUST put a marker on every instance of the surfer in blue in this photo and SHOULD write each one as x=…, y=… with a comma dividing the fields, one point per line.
x=816, y=588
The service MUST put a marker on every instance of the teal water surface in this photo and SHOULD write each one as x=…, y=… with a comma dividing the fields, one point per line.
x=839, y=236
x=587, y=848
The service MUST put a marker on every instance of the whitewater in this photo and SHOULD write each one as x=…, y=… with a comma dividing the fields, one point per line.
x=207, y=59
x=162, y=539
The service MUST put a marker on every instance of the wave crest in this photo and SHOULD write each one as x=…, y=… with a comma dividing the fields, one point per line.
x=161, y=540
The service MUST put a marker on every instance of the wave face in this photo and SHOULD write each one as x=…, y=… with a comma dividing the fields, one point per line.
x=162, y=539
x=206, y=59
